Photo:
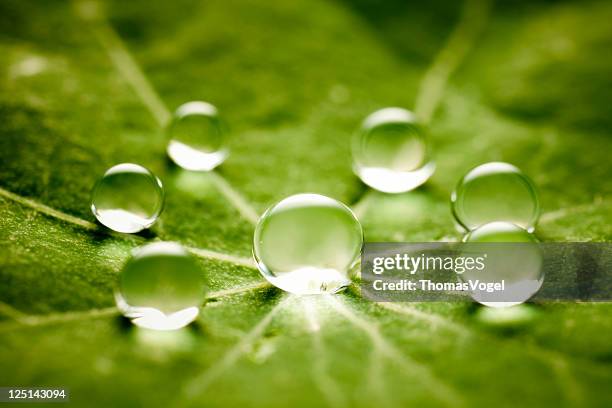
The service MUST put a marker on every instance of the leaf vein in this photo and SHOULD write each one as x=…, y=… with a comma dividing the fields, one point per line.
x=201, y=382
x=44, y=209
x=131, y=71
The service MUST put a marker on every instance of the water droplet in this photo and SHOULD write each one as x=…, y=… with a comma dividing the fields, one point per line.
x=390, y=152
x=495, y=191
x=197, y=137
x=161, y=287
x=307, y=244
x=128, y=198
x=519, y=265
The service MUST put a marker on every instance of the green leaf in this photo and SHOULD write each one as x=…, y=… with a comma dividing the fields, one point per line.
x=85, y=85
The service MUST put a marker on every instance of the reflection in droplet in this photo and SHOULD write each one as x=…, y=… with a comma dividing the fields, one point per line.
x=391, y=152
x=161, y=287
x=197, y=137
x=517, y=265
x=307, y=244
x=495, y=191
x=128, y=198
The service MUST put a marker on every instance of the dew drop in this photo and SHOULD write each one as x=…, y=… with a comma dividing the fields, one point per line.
x=307, y=244
x=160, y=287
x=391, y=153
x=128, y=198
x=197, y=137
x=518, y=264
x=495, y=191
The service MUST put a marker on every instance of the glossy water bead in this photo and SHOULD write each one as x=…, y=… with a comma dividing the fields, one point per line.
x=128, y=198
x=307, y=244
x=197, y=137
x=390, y=152
x=161, y=287
x=495, y=191
x=512, y=256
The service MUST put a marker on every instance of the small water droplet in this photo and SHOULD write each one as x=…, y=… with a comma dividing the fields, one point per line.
x=197, y=137
x=161, y=287
x=391, y=153
x=495, y=191
x=518, y=266
x=128, y=198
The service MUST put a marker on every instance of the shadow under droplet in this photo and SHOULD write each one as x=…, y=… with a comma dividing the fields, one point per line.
x=358, y=192
x=198, y=328
x=124, y=324
x=269, y=294
x=103, y=233
x=148, y=233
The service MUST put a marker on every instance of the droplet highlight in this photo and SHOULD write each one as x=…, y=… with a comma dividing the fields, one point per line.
x=495, y=191
x=127, y=198
x=197, y=137
x=307, y=244
x=391, y=152
x=519, y=264
x=161, y=287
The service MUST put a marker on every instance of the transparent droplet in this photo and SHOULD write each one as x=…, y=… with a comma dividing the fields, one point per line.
x=307, y=244
x=197, y=137
x=128, y=198
x=518, y=264
x=390, y=152
x=495, y=191
x=161, y=287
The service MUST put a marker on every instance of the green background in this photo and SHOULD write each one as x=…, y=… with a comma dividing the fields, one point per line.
x=293, y=79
